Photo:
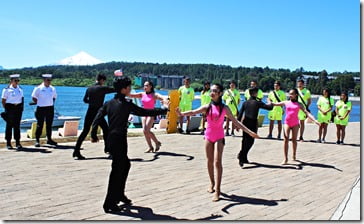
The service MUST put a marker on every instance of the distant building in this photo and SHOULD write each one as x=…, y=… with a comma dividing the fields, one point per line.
x=305, y=77
x=143, y=77
x=357, y=79
x=164, y=81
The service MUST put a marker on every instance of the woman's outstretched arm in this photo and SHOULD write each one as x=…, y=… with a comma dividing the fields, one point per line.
x=192, y=112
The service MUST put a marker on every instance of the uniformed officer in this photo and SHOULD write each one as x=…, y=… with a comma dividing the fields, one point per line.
x=44, y=96
x=13, y=102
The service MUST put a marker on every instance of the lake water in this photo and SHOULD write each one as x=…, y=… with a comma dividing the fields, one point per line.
x=70, y=102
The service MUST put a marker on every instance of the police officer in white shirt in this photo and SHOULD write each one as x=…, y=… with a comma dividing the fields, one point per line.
x=13, y=102
x=44, y=96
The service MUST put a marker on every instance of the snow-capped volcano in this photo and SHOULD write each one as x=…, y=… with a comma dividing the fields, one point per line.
x=81, y=58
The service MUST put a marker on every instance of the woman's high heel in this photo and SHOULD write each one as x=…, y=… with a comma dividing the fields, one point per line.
x=158, y=146
x=149, y=150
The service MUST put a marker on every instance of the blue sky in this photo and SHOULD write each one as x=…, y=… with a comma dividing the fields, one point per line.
x=313, y=34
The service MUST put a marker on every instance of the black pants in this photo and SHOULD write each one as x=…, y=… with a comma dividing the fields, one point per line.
x=14, y=113
x=90, y=116
x=47, y=114
x=247, y=141
x=119, y=169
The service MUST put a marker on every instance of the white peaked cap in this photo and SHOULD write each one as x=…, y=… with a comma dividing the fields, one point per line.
x=13, y=76
x=47, y=75
x=118, y=72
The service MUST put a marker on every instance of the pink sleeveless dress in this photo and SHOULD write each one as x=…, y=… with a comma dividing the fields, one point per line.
x=215, y=120
x=292, y=109
x=148, y=101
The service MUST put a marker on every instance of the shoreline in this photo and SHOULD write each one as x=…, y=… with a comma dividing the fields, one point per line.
x=132, y=132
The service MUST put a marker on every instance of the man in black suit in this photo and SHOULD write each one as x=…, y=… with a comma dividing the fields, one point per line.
x=248, y=115
x=118, y=111
x=94, y=96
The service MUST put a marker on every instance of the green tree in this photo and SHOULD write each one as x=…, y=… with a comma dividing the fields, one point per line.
x=266, y=83
x=357, y=90
x=322, y=79
x=197, y=87
x=342, y=83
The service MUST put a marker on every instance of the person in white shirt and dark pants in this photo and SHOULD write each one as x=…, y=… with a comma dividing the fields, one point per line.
x=44, y=96
x=13, y=102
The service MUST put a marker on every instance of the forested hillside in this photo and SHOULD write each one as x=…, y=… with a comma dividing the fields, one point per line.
x=85, y=75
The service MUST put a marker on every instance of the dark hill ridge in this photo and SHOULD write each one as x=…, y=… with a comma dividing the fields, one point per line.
x=85, y=75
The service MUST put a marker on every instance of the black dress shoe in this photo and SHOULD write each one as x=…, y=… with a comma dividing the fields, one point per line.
x=37, y=144
x=125, y=200
x=241, y=163
x=77, y=155
x=111, y=208
x=9, y=146
x=51, y=142
x=19, y=146
x=106, y=150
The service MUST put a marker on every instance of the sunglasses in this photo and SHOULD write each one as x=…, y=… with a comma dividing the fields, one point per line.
x=48, y=80
x=215, y=90
x=16, y=80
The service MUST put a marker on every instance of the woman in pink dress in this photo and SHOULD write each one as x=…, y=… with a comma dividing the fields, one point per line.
x=291, y=122
x=148, y=98
x=215, y=113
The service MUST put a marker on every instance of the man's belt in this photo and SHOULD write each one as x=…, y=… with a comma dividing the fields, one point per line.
x=13, y=104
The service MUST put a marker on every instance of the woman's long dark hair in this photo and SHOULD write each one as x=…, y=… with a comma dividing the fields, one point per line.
x=328, y=94
x=205, y=89
x=347, y=97
x=151, y=87
x=219, y=103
